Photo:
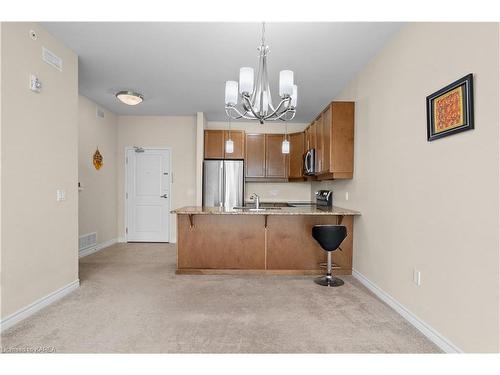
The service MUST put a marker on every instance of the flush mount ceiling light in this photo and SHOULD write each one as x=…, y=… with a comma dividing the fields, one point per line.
x=256, y=98
x=129, y=97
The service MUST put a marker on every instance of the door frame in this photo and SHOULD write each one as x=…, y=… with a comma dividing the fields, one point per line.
x=170, y=183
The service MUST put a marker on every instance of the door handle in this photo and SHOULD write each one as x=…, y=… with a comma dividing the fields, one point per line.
x=164, y=196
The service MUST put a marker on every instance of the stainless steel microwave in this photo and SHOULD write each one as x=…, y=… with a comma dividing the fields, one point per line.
x=309, y=162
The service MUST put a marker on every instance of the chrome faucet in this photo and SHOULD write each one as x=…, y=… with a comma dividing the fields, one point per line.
x=256, y=198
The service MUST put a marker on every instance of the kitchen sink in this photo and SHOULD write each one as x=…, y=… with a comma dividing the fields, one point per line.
x=253, y=209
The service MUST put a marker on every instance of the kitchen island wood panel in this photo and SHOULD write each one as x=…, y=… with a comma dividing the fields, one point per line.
x=290, y=244
x=215, y=240
x=222, y=242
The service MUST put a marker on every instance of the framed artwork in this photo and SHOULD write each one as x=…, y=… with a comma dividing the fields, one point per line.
x=450, y=110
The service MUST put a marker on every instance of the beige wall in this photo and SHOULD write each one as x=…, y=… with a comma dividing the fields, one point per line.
x=433, y=206
x=282, y=191
x=97, y=202
x=39, y=142
x=201, y=121
x=179, y=133
x=1, y=241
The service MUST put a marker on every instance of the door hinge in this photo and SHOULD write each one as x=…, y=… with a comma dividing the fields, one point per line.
x=126, y=195
x=126, y=230
x=126, y=160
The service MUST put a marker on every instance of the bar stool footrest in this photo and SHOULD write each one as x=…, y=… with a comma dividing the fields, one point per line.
x=329, y=281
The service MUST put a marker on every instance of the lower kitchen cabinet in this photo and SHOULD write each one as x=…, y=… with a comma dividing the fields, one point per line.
x=273, y=244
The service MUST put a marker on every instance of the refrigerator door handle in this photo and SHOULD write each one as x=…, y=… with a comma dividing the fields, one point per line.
x=221, y=185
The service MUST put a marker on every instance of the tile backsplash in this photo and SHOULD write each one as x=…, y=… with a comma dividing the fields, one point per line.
x=279, y=191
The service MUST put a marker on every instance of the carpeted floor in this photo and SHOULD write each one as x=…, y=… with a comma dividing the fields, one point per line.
x=131, y=301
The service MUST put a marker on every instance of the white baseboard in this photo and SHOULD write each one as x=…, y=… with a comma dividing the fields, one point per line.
x=97, y=247
x=123, y=240
x=29, y=310
x=442, y=342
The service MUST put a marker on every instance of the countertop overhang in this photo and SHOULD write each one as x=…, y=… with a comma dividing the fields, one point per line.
x=304, y=210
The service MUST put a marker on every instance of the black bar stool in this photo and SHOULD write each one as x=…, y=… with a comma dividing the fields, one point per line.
x=329, y=238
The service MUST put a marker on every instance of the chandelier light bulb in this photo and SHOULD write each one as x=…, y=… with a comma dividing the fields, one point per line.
x=231, y=93
x=246, y=80
x=286, y=83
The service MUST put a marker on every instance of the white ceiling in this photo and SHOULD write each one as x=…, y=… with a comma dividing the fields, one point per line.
x=181, y=68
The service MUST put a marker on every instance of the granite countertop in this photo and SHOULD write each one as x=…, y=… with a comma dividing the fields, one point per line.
x=304, y=210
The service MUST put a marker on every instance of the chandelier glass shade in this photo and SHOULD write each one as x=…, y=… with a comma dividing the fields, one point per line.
x=254, y=96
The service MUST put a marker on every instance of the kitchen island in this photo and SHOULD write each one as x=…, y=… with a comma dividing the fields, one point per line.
x=216, y=240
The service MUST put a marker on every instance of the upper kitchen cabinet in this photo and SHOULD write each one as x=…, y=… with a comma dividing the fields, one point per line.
x=238, y=138
x=276, y=161
x=214, y=144
x=263, y=158
x=215, y=140
x=296, y=156
x=255, y=156
x=337, y=141
x=318, y=143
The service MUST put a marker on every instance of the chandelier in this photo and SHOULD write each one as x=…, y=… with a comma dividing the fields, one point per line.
x=256, y=101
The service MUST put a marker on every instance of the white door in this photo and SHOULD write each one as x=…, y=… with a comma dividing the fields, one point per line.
x=148, y=195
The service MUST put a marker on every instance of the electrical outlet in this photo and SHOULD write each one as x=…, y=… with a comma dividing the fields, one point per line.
x=416, y=277
x=346, y=195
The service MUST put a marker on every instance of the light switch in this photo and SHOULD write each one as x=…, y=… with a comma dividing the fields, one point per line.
x=60, y=195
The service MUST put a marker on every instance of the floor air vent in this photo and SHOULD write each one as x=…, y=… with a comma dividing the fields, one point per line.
x=87, y=241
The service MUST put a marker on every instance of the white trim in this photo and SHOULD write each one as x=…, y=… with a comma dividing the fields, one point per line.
x=29, y=310
x=125, y=211
x=121, y=240
x=442, y=342
x=97, y=247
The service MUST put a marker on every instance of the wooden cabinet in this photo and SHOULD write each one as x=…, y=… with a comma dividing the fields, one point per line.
x=275, y=159
x=214, y=143
x=263, y=157
x=312, y=135
x=307, y=138
x=342, y=140
x=255, y=155
x=318, y=144
x=296, y=156
x=331, y=134
x=326, y=122
x=238, y=138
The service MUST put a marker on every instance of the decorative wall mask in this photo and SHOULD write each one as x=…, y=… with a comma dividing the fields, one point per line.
x=97, y=159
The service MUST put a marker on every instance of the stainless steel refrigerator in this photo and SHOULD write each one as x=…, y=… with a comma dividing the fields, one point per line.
x=223, y=183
